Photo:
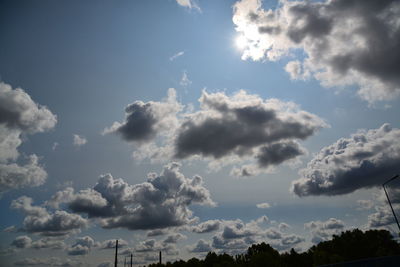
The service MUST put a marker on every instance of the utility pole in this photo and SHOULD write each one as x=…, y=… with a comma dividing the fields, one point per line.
x=390, y=203
x=116, y=254
x=131, y=259
x=160, y=257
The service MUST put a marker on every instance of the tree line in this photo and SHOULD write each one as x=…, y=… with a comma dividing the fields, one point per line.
x=348, y=246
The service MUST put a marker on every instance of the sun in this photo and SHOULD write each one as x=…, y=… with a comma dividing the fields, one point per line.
x=241, y=42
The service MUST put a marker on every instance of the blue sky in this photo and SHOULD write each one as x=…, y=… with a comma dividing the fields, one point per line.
x=326, y=135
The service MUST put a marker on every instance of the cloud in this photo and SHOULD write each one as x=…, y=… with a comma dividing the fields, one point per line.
x=39, y=220
x=109, y=244
x=19, y=112
x=53, y=261
x=264, y=205
x=185, y=79
x=340, y=43
x=175, y=56
x=13, y=175
x=245, y=125
x=174, y=238
x=82, y=246
x=273, y=233
x=79, y=140
x=323, y=230
x=366, y=159
x=207, y=226
x=382, y=217
x=143, y=121
x=191, y=4
x=283, y=226
x=55, y=145
x=200, y=247
x=156, y=232
x=163, y=201
x=48, y=243
x=19, y=116
x=152, y=245
x=22, y=242
x=365, y=204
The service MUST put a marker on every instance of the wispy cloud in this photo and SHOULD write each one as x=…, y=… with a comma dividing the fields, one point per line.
x=191, y=4
x=185, y=79
x=175, y=56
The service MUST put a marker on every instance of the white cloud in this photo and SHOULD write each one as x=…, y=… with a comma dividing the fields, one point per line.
x=79, y=140
x=191, y=4
x=343, y=43
x=175, y=56
x=264, y=205
x=20, y=116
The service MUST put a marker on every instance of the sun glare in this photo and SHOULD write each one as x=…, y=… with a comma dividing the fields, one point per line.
x=241, y=42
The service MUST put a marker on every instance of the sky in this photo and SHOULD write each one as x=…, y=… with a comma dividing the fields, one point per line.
x=188, y=126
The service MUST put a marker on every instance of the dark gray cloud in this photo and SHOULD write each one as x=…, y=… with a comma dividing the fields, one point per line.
x=39, y=220
x=207, y=226
x=366, y=159
x=174, y=238
x=163, y=201
x=323, y=230
x=22, y=242
x=345, y=42
x=277, y=153
x=245, y=125
x=144, y=121
x=20, y=115
x=201, y=246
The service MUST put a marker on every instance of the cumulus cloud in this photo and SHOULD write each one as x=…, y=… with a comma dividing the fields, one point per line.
x=323, y=230
x=201, y=246
x=225, y=130
x=207, y=226
x=22, y=242
x=20, y=115
x=13, y=175
x=108, y=244
x=19, y=112
x=152, y=245
x=343, y=42
x=364, y=160
x=82, y=246
x=79, y=140
x=245, y=125
x=143, y=121
x=174, y=238
x=157, y=232
x=163, y=201
x=39, y=220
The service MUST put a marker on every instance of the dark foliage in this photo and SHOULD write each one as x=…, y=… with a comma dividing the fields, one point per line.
x=350, y=245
